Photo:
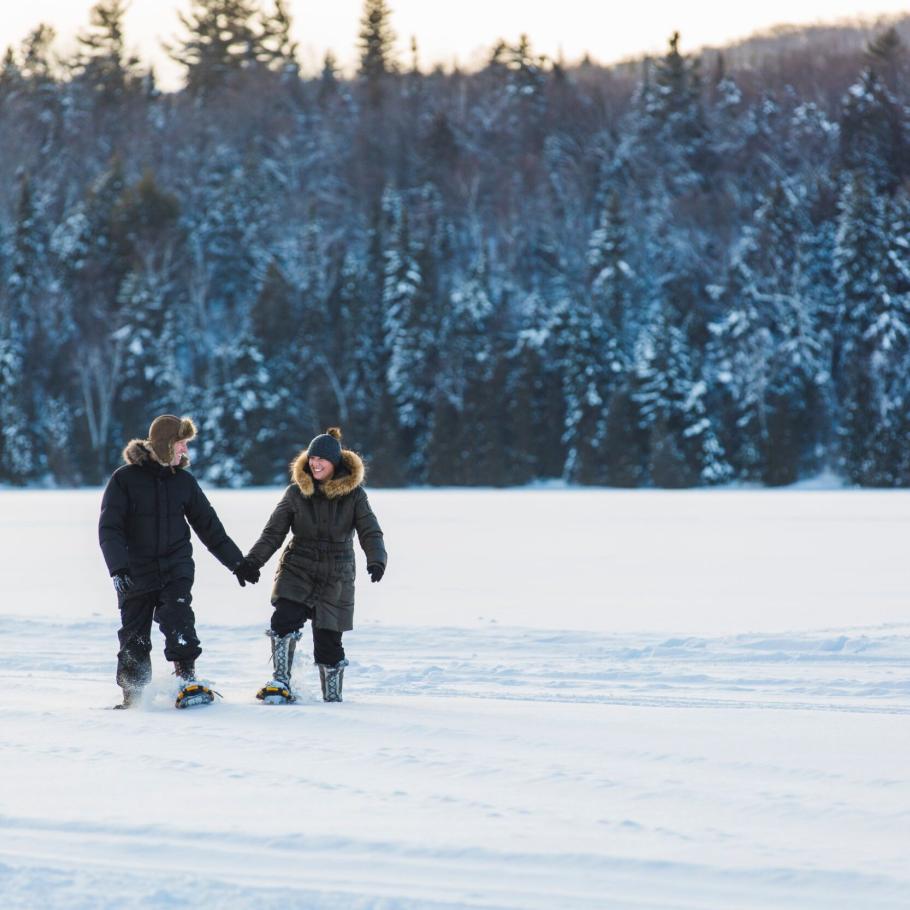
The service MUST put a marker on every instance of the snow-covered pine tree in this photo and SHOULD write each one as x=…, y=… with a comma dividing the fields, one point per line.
x=409, y=334
x=148, y=305
x=282, y=421
x=11, y=79
x=582, y=344
x=36, y=59
x=440, y=149
x=376, y=43
x=674, y=124
x=227, y=37
x=103, y=65
x=526, y=93
x=889, y=57
x=870, y=326
x=684, y=450
x=274, y=314
x=236, y=424
x=724, y=115
x=534, y=411
x=318, y=324
x=465, y=430
x=372, y=407
x=625, y=459
x=359, y=340
x=91, y=260
x=279, y=49
x=23, y=323
x=811, y=143
x=16, y=437
x=764, y=348
x=742, y=349
x=328, y=80
x=611, y=277
x=887, y=339
x=227, y=208
x=898, y=399
x=872, y=133
x=819, y=279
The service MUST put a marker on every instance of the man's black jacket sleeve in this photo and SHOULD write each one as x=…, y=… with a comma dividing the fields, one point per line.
x=112, y=526
x=203, y=520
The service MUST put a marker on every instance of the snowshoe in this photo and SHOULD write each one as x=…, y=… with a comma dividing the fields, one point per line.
x=276, y=693
x=194, y=693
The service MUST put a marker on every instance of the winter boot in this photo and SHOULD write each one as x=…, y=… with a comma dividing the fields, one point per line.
x=134, y=671
x=131, y=697
x=191, y=691
x=332, y=676
x=277, y=691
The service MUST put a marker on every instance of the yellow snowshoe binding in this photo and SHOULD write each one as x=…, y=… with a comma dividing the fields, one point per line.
x=192, y=692
x=275, y=693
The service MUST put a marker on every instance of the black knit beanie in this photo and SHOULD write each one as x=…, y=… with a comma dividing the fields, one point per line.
x=327, y=445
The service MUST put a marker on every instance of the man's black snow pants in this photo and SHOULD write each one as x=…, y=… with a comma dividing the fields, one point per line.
x=290, y=615
x=170, y=608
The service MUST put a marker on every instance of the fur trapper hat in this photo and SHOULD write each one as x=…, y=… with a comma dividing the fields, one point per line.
x=165, y=432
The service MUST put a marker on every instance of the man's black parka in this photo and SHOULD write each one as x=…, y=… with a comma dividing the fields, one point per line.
x=143, y=525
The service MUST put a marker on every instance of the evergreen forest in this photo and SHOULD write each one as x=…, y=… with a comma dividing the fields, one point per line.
x=687, y=270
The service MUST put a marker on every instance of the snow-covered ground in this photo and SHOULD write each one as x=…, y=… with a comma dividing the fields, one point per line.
x=556, y=699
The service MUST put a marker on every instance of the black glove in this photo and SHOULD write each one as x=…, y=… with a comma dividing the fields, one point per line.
x=123, y=581
x=376, y=570
x=246, y=571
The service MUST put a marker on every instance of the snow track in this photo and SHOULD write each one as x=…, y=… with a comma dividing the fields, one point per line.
x=527, y=725
x=513, y=769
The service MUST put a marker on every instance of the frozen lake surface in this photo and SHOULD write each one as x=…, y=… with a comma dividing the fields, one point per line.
x=556, y=699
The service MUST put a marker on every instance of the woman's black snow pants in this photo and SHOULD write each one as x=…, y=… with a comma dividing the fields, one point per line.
x=290, y=615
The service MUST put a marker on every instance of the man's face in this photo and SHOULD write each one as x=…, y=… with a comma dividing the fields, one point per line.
x=180, y=449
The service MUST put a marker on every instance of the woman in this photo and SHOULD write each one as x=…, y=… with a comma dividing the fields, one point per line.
x=323, y=507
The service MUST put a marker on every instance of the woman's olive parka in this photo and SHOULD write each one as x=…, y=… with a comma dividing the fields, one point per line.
x=317, y=566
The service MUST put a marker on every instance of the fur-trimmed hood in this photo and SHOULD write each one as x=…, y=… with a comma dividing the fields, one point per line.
x=138, y=452
x=342, y=482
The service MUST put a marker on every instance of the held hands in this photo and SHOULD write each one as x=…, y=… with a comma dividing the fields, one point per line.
x=122, y=580
x=376, y=570
x=246, y=571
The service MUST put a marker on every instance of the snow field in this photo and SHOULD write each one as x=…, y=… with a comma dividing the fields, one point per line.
x=510, y=737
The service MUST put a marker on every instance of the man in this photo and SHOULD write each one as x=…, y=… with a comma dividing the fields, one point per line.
x=145, y=540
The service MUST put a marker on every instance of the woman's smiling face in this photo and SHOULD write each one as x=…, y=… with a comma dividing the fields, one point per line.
x=321, y=468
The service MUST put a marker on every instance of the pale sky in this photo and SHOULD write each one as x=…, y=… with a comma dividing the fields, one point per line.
x=463, y=31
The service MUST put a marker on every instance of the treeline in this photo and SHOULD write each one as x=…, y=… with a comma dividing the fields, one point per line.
x=680, y=273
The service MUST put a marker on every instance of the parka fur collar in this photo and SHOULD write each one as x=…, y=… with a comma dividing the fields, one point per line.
x=338, y=485
x=139, y=452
